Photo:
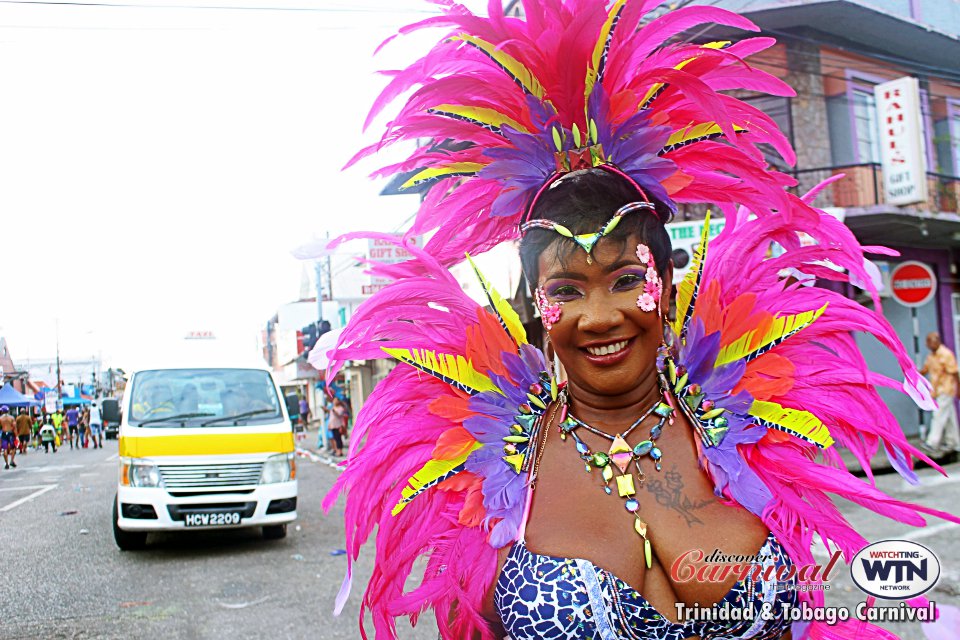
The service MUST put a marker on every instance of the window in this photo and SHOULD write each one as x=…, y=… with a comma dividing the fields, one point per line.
x=863, y=109
x=203, y=397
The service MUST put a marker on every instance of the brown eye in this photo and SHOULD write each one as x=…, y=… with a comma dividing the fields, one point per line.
x=627, y=281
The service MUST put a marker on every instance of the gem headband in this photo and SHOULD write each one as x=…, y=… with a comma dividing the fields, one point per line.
x=587, y=241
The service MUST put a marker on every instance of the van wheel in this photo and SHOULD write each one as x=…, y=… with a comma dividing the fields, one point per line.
x=275, y=532
x=127, y=540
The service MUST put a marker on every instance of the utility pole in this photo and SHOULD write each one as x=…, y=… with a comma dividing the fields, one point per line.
x=59, y=390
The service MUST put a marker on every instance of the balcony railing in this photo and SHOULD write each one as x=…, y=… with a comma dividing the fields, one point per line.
x=862, y=186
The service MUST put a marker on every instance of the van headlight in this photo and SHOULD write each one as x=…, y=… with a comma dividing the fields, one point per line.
x=139, y=473
x=279, y=468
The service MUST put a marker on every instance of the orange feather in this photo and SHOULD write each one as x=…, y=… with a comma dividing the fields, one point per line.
x=453, y=408
x=776, y=379
x=453, y=443
x=486, y=340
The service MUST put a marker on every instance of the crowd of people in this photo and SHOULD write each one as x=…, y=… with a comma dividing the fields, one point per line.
x=82, y=428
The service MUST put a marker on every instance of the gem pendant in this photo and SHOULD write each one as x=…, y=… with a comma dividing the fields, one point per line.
x=620, y=453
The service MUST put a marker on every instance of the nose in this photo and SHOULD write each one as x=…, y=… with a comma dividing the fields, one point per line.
x=600, y=314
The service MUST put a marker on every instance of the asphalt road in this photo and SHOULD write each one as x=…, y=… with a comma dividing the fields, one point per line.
x=63, y=576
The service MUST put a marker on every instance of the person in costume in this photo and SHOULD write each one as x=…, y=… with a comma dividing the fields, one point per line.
x=551, y=496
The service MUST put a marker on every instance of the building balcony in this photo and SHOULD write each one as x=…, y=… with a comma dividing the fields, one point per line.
x=861, y=187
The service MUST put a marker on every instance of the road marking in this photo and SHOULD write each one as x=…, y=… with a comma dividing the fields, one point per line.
x=929, y=481
x=330, y=462
x=54, y=467
x=112, y=458
x=926, y=532
x=40, y=491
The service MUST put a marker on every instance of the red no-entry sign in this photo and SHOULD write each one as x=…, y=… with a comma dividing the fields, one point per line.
x=913, y=284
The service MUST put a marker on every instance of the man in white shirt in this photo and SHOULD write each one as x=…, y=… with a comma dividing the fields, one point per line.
x=96, y=426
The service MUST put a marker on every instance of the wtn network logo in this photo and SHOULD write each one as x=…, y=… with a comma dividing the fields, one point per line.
x=895, y=569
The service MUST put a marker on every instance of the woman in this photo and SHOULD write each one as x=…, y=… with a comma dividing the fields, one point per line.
x=608, y=391
x=554, y=497
x=337, y=426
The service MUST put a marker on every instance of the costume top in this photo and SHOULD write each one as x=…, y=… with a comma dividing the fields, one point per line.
x=542, y=597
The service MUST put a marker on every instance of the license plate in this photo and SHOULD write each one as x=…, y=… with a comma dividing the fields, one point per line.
x=211, y=519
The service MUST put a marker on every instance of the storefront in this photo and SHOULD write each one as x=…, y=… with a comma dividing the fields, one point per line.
x=928, y=239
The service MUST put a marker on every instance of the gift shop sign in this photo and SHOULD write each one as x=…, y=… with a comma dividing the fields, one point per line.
x=913, y=284
x=387, y=252
x=901, y=141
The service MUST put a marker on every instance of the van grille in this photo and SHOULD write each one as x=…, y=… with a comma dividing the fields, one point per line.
x=190, y=476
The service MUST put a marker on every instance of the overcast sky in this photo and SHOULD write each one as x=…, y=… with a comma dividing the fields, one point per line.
x=159, y=163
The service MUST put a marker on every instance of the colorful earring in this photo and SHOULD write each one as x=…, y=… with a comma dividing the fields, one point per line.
x=649, y=300
x=549, y=312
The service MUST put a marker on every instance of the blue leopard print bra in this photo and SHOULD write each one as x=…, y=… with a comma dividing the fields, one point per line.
x=540, y=597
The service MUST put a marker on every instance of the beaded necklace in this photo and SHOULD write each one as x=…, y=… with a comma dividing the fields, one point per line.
x=620, y=456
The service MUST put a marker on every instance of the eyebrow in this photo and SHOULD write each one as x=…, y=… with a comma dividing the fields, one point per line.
x=574, y=275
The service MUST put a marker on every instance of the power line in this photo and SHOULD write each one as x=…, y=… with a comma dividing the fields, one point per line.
x=121, y=5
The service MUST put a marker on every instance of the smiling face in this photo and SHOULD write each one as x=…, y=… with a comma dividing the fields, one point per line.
x=606, y=342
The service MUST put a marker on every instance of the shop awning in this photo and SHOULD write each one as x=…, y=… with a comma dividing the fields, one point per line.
x=912, y=228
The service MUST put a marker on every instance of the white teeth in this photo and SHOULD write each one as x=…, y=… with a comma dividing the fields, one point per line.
x=607, y=349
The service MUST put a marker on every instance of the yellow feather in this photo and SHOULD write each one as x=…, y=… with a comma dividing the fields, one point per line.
x=454, y=168
x=695, y=132
x=691, y=282
x=507, y=62
x=594, y=69
x=508, y=317
x=428, y=476
x=800, y=423
x=780, y=329
x=482, y=115
x=449, y=368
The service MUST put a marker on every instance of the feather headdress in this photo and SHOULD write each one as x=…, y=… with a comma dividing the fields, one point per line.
x=515, y=103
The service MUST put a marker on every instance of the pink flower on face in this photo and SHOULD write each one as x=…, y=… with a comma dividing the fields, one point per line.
x=549, y=312
x=646, y=302
x=654, y=288
x=643, y=253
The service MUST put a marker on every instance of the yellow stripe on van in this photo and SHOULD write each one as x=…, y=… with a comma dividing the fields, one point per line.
x=201, y=445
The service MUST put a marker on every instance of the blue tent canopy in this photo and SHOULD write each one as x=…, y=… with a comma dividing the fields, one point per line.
x=74, y=400
x=13, y=398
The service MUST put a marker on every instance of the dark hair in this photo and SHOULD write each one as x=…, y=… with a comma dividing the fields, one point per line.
x=583, y=202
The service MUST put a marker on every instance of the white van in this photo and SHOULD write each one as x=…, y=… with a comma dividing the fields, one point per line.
x=204, y=448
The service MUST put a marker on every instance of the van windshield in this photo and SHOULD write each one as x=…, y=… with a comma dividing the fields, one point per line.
x=203, y=397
